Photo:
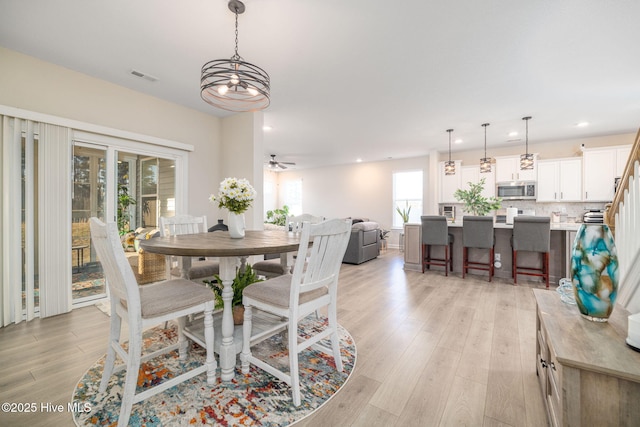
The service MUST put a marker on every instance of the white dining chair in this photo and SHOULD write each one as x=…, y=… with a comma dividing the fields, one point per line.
x=188, y=224
x=143, y=307
x=274, y=267
x=312, y=285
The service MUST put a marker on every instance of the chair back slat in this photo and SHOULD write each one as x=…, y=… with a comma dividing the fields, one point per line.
x=182, y=224
x=294, y=223
x=324, y=256
x=120, y=278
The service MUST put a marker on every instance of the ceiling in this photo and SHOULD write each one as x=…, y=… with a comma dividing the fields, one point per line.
x=365, y=79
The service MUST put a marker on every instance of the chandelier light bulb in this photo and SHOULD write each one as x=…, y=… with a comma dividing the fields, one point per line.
x=222, y=89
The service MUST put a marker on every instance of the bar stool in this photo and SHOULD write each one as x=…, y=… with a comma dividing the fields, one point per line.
x=435, y=232
x=477, y=232
x=533, y=234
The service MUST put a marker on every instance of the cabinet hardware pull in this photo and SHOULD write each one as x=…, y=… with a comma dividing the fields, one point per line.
x=553, y=366
x=543, y=363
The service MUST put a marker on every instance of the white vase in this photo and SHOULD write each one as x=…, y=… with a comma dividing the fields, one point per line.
x=236, y=225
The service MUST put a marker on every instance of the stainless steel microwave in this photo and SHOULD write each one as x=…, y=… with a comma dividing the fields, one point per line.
x=516, y=190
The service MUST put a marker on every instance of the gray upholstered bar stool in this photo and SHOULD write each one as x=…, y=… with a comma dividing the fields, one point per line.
x=435, y=232
x=533, y=234
x=477, y=233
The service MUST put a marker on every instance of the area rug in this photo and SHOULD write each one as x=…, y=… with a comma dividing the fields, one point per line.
x=255, y=399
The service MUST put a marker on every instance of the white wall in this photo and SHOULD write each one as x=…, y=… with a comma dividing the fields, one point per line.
x=31, y=84
x=359, y=190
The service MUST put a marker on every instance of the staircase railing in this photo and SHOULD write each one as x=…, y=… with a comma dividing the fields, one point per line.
x=623, y=217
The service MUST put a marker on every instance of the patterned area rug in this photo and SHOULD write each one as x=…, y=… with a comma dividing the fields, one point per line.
x=255, y=399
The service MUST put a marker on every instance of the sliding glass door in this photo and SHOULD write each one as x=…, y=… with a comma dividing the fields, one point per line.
x=88, y=200
x=145, y=189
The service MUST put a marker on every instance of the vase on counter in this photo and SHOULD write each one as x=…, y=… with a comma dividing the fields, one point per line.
x=594, y=271
x=236, y=225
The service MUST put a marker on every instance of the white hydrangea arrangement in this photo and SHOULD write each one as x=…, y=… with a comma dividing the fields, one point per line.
x=234, y=194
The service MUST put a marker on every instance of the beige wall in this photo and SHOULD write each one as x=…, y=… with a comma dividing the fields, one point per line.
x=242, y=149
x=31, y=84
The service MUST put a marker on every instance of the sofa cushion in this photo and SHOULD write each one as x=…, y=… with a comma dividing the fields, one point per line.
x=365, y=226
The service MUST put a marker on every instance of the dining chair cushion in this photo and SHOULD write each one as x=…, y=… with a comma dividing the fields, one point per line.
x=199, y=269
x=171, y=296
x=277, y=291
x=273, y=266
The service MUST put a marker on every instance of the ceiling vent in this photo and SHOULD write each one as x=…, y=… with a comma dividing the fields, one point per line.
x=142, y=75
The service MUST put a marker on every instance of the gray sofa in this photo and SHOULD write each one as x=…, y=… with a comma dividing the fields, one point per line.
x=363, y=243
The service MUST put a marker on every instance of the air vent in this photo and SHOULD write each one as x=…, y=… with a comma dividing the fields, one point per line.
x=142, y=75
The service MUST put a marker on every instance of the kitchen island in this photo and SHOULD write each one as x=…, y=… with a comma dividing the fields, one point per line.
x=562, y=235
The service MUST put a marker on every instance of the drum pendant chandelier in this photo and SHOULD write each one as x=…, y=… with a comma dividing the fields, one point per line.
x=485, y=162
x=449, y=166
x=233, y=84
x=526, y=159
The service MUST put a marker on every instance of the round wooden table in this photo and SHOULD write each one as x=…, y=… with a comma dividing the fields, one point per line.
x=219, y=244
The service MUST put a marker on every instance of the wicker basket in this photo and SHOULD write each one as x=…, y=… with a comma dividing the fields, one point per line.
x=148, y=267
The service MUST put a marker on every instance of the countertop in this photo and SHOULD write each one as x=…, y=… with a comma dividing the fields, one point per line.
x=559, y=226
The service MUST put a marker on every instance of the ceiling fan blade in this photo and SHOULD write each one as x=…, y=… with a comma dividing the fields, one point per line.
x=281, y=166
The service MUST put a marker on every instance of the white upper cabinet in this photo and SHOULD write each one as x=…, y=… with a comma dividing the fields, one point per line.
x=622, y=155
x=472, y=174
x=560, y=180
x=600, y=168
x=508, y=169
x=450, y=183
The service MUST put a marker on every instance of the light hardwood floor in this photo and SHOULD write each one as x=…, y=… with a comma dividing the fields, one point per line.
x=432, y=351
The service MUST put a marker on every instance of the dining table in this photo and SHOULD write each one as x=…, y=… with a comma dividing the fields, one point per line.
x=229, y=250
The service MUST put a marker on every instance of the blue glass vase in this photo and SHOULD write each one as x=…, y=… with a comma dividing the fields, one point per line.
x=594, y=271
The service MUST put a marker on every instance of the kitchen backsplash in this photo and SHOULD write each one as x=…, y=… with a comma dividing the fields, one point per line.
x=573, y=210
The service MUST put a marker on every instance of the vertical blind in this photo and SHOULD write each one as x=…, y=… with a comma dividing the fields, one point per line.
x=36, y=246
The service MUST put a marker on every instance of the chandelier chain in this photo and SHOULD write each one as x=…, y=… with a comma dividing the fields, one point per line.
x=236, y=55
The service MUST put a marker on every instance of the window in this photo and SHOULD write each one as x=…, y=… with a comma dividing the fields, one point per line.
x=407, y=193
x=293, y=196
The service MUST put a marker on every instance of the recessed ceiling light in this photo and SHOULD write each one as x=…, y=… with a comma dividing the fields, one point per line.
x=512, y=134
x=582, y=124
x=359, y=160
x=267, y=128
x=458, y=141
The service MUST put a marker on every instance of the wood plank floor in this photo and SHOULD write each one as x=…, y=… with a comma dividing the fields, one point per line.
x=432, y=351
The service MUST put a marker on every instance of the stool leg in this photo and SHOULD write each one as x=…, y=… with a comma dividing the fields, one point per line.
x=515, y=268
x=451, y=257
x=446, y=260
x=422, y=255
x=491, y=256
x=429, y=257
x=546, y=267
x=465, y=256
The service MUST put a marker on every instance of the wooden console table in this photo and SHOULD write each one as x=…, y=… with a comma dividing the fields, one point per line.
x=588, y=375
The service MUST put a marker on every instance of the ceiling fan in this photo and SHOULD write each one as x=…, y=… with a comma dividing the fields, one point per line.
x=274, y=164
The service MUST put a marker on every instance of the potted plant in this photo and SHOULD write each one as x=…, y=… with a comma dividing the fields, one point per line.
x=474, y=202
x=243, y=279
x=404, y=213
x=124, y=201
x=278, y=216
